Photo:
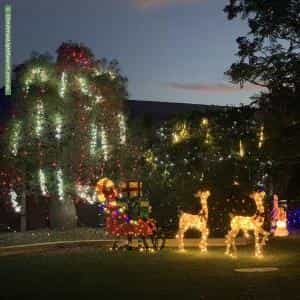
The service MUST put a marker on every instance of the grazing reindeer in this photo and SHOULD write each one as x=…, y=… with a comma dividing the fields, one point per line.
x=198, y=222
x=245, y=224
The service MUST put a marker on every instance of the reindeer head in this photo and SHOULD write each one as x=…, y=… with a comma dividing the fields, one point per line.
x=203, y=195
x=258, y=197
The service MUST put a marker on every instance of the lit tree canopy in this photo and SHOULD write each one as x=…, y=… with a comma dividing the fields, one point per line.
x=68, y=121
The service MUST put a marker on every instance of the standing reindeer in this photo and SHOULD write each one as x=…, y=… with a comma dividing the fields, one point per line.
x=198, y=222
x=245, y=224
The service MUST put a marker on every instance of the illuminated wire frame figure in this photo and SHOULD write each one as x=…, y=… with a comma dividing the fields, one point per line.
x=245, y=224
x=198, y=222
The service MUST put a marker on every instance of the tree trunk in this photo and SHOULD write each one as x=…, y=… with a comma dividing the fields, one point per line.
x=62, y=214
x=23, y=225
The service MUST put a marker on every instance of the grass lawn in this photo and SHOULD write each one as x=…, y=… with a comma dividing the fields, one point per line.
x=100, y=274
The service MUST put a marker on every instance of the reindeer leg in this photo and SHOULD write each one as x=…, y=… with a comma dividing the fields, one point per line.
x=181, y=239
x=258, y=246
x=203, y=242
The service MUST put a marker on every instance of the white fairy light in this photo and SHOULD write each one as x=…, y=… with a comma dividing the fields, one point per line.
x=99, y=99
x=15, y=138
x=13, y=197
x=42, y=180
x=36, y=74
x=84, y=86
x=60, y=184
x=39, y=118
x=63, y=84
x=58, y=126
x=84, y=192
x=93, y=143
x=122, y=125
x=104, y=143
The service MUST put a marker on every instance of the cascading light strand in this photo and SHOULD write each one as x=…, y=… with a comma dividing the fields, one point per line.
x=104, y=143
x=15, y=138
x=42, y=180
x=39, y=117
x=122, y=126
x=60, y=184
x=63, y=84
x=58, y=126
x=93, y=143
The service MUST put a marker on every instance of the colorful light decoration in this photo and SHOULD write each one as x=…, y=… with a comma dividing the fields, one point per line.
x=42, y=180
x=245, y=224
x=15, y=138
x=199, y=222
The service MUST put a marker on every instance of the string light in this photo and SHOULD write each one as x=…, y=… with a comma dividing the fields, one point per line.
x=261, y=137
x=198, y=222
x=181, y=133
x=15, y=138
x=242, y=150
x=60, y=184
x=122, y=125
x=13, y=200
x=93, y=143
x=104, y=143
x=84, y=192
x=42, y=180
x=36, y=74
x=84, y=86
x=245, y=224
x=58, y=126
x=63, y=84
x=39, y=118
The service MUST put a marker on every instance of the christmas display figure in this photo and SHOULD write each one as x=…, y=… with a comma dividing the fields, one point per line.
x=120, y=224
x=199, y=222
x=245, y=224
x=279, y=219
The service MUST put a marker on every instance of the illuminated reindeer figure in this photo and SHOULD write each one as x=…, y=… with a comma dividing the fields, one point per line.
x=198, y=222
x=245, y=224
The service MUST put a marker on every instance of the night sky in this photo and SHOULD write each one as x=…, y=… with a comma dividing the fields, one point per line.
x=170, y=50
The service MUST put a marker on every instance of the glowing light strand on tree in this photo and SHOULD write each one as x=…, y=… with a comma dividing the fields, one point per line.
x=13, y=200
x=122, y=126
x=261, y=137
x=93, y=143
x=37, y=74
x=42, y=180
x=15, y=138
x=84, y=86
x=86, y=193
x=60, y=184
x=104, y=143
x=242, y=149
x=39, y=117
x=63, y=84
x=58, y=126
